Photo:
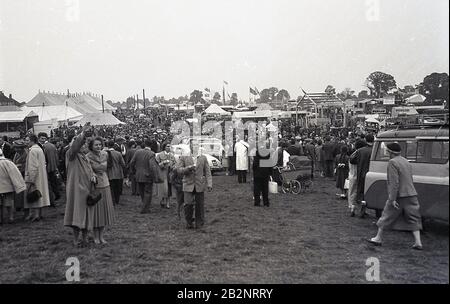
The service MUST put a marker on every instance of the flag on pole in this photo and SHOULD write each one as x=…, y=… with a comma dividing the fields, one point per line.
x=225, y=82
x=223, y=94
x=257, y=91
x=253, y=92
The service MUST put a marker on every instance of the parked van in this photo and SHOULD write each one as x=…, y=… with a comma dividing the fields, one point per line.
x=427, y=149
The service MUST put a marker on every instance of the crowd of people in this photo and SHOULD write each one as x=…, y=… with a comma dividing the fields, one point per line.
x=93, y=164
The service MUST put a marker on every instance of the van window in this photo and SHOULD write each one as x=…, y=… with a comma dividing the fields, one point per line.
x=435, y=152
x=408, y=150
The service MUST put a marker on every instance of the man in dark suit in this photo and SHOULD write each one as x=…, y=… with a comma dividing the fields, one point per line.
x=6, y=148
x=132, y=148
x=52, y=161
x=196, y=179
x=261, y=175
x=142, y=165
x=116, y=165
x=328, y=156
x=361, y=158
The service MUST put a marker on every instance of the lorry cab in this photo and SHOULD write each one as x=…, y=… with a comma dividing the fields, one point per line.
x=427, y=149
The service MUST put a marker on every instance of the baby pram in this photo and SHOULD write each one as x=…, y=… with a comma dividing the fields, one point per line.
x=296, y=176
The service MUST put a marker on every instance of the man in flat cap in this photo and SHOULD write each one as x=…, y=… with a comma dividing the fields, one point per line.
x=402, y=210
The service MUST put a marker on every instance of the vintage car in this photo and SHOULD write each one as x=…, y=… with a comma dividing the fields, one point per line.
x=427, y=149
x=183, y=149
x=208, y=145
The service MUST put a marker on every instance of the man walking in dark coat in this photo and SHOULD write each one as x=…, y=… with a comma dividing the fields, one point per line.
x=328, y=157
x=142, y=165
x=361, y=158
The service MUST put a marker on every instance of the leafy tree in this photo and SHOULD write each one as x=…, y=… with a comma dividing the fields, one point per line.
x=217, y=98
x=380, y=83
x=283, y=95
x=196, y=96
x=363, y=94
x=330, y=89
x=435, y=86
x=346, y=94
x=268, y=95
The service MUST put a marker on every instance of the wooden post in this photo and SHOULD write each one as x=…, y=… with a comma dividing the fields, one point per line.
x=103, y=105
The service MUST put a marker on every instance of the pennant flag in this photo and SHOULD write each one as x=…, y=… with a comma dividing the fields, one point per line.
x=253, y=92
x=223, y=94
x=257, y=91
x=225, y=82
x=207, y=90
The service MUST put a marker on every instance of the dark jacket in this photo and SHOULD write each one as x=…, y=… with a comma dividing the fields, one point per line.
x=328, y=151
x=361, y=158
x=142, y=165
x=7, y=150
x=51, y=156
x=258, y=171
x=116, y=164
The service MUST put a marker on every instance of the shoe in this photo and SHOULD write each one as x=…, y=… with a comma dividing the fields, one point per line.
x=35, y=219
x=417, y=247
x=373, y=242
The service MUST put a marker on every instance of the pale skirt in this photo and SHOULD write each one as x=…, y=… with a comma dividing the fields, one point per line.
x=102, y=214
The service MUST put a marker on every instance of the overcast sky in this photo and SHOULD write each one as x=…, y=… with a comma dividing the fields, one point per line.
x=171, y=47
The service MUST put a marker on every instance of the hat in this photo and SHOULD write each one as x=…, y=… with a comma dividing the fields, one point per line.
x=394, y=148
x=19, y=144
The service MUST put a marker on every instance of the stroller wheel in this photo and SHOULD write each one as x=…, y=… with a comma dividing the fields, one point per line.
x=286, y=187
x=296, y=187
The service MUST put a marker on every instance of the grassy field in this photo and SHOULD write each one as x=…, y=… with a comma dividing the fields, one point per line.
x=307, y=238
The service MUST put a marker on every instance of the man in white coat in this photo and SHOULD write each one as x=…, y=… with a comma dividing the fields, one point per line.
x=241, y=149
x=36, y=178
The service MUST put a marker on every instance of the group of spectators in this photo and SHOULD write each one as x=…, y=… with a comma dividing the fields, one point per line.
x=95, y=163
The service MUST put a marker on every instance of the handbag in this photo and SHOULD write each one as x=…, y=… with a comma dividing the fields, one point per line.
x=273, y=186
x=94, y=196
x=33, y=196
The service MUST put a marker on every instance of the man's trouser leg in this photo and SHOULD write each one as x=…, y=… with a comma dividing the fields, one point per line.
x=189, y=208
x=146, y=190
x=257, y=190
x=265, y=190
x=199, y=209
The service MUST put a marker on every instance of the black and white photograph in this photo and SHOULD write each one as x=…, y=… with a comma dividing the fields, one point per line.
x=242, y=144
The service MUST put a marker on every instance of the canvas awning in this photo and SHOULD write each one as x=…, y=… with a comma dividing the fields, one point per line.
x=99, y=119
x=216, y=110
x=16, y=116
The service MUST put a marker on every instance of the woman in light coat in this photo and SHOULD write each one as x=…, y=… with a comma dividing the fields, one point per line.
x=11, y=181
x=80, y=177
x=36, y=178
x=242, y=163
